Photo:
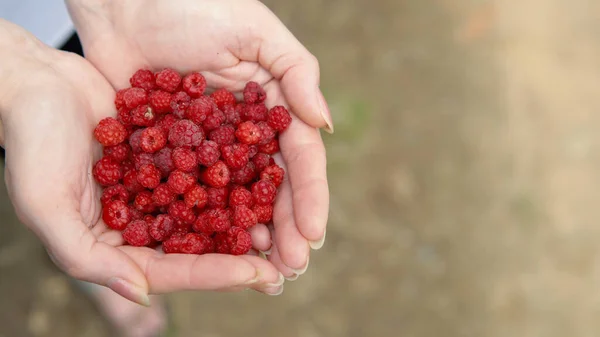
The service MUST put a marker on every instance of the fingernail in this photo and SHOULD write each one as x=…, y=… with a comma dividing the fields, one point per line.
x=268, y=251
x=316, y=245
x=255, y=279
x=129, y=291
x=301, y=270
x=276, y=291
x=279, y=282
x=324, y=111
x=294, y=277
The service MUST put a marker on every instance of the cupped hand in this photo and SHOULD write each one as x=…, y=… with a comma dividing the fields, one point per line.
x=231, y=42
x=50, y=103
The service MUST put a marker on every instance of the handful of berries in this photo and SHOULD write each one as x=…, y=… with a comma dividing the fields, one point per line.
x=188, y=170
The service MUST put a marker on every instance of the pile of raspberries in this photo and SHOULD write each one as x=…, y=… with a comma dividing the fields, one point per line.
x=189, y=170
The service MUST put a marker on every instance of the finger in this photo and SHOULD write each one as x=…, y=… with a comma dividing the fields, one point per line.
x=275, y=259
x=261, y=237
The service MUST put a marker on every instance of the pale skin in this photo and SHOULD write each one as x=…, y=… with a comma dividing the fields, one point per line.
x=48, y=173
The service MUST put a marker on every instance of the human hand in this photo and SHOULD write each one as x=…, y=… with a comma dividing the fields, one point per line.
x=50, y=102
x=231, y=42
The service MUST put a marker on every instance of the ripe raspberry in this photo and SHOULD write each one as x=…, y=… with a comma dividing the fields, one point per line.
x=264, y=192
x=182, y=227
x=135, y=213
x=180, y=182
x=184, y=159
x=179, y=211
x=243, y=217
x=243, y=176
x=194, y=84
x=274, y=173
x=162, y=195
x=279, y=118
x=127, y=166
x=196, y=197
x=112, y=193
x=219, y=220
x=217, y=197
x=208, y=153
x=224, y=134
x=166, y=122
x=185, y=133
x=131, y=183
x=143, y=116
x=248, y=133
x=194, y=243
x=134, y=97
x=142, y=78
x=153, y=139
x=148, y=218
x=135, y=141
x=202, y=225
x=120, y=100
x=254, y=112
x=232, y=115
x=168, y=80
x=199, y=109
x=116, y=214
x=141, y=159
x=252, y=151
x=136, y=234
x=221, y=245
x=266, y=133
x=118, y=152
x=174, y=244
x=239, y=241
x=179, y=103
x=124, y=116
x=162, y=227
x=240, y=196
x=213, y=120
x=271, y=147
x=110, y=131
x=164, y=162
x=216, y=175
x=160, y=101
x=261, y=161
x=223, y=98
x=143, y=202
x=254, y=93
x=235, y=155
x=107, y=172
x=264, y=213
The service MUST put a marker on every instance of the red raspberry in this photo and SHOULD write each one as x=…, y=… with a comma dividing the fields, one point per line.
x=271, y=147
x=274, y=173
x=166, y=122
x=160, y=101
x=143, y=116
x=243, y=176
x=266, y=133
x=120, y=100
x=239, y=241
x=264, y=213
x=108, y=172
x=179, y=211
x=214, y=120
x=149, y=219
x=232, y=115
x=243, y=217
x=194, y=84
x=279, y=118
x=136, y=234
x=194, y=243
x=248, y=133
x=143, y=202
x=168, y=80
x=202, y=225
x=235, y=155
x=217, y=197
x=254, y=112
x=196, y=197
x=153, y=139
x=208, y=153
x=254, y=93
x=112, y=193
x=219, y=220
x=110, y=131
x=135, y=141
x=223, y=98
x=118, y=152
x=135, y=214
x=142, y=78
x=184, y=159
x=240, y=196
x=185, y=133
x=179, y=103
x=127, y=166
x=180, y=182
x=264, y=192
x=216, y=175
x=221, y=244
x=162, y=195
x=131, y=183
x=164, y=162
x=252, y=151
x=223, y=135
x=116, y=214
x=182, y=227
x=261, y=161
x=162, y=227
x=141, y=159
x=199, y=109
x=134, y=97
x=124, y=116
x=174, y=244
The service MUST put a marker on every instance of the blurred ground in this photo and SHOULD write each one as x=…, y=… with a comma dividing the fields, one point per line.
x=464, y=184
